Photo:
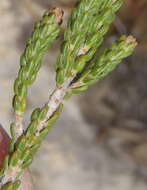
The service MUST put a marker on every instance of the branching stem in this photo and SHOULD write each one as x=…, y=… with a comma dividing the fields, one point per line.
x=56, y=98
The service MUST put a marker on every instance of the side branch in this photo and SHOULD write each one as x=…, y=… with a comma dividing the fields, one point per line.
x=45, y=32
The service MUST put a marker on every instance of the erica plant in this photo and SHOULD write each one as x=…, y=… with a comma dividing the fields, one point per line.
x=77, y=68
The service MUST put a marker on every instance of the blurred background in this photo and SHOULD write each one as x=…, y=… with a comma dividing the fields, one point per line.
x=100, y=140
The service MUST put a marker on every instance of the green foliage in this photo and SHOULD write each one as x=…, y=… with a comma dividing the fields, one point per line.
x=27, y=145
x=77, y=68
x=106, y=63
x=87, y=26
x=45, y=32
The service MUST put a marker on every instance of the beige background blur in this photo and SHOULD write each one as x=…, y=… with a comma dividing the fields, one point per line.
x=100, y=141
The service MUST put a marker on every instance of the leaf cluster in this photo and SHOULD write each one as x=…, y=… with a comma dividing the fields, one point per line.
x=77, y=63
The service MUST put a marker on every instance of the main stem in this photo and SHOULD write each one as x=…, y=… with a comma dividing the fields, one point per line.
x=56, y=98
x=18, y=124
